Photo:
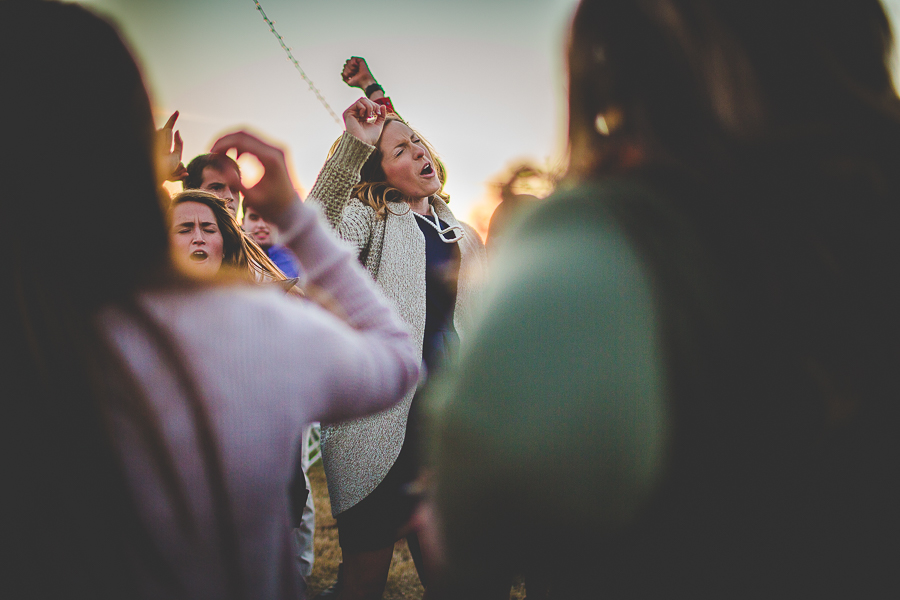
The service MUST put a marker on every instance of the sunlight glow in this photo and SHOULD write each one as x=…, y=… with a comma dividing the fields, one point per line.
x=251, y=170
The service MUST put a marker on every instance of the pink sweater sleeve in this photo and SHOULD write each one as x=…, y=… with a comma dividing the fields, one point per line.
x=375, y=365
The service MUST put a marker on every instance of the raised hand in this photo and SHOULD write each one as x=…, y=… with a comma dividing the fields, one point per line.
x=364, y=120
x=274, y=193
x=169, y=147
x=356, y=73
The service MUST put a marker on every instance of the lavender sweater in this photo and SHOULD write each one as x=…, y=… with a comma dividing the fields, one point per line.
x=265, y=364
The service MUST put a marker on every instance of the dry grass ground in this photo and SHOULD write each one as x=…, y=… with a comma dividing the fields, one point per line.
x=403, y=581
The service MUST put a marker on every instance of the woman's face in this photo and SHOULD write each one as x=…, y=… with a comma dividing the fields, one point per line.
x=406, y=162
x=197, y=242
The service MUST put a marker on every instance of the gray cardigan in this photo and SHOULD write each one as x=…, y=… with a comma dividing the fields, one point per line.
x=358, y=454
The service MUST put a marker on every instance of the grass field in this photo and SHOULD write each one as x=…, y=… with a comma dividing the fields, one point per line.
x=403, y=581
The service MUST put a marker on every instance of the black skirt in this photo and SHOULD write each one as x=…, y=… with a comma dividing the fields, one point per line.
x=375, y=521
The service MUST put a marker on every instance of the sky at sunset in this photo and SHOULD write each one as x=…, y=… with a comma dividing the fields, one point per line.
x=482, y=80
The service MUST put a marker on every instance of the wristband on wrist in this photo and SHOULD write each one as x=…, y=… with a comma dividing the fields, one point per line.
x=385, y=101
x=375, y=87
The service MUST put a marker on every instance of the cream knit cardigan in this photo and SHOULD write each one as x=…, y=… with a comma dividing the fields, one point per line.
x=358, y=454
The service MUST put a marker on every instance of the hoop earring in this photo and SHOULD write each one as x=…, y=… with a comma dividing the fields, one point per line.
x=387, y=207
x=606, y=123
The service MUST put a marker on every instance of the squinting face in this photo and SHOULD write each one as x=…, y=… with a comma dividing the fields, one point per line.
x=224, y=185
x=197, y=242
x=258, y=229
x=406, y=162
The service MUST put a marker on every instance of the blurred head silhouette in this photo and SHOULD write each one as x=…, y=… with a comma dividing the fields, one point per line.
x=696, y=82
x=81, y=135
x=79, y=165
x=764, y=136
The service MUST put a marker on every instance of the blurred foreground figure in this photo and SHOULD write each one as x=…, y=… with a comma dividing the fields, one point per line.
x=153, y=419
x=692, y=351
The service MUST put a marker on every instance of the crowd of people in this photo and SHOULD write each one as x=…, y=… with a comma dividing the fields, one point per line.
x=676, y=376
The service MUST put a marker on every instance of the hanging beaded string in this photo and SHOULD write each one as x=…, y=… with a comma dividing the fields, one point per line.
x=457, y=231
x=293, y=60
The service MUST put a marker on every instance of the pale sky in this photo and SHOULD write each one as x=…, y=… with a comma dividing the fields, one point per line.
x=483, y=81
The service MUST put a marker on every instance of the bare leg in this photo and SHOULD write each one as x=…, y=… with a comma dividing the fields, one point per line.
x=364, y=574
x=415, y=550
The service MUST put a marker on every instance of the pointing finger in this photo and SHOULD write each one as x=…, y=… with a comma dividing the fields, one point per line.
x=171, y=122
x=179, y=144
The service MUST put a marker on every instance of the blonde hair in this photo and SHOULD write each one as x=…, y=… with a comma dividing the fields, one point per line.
x=373, y=189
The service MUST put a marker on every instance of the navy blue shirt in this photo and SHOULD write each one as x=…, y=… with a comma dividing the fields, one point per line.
x=441, y=275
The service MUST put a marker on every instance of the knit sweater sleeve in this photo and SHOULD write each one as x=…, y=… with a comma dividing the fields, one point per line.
x=334, y=186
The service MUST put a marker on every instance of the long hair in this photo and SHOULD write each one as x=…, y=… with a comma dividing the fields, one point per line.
x=239, y=251
x=373, y=189
x=702, y=83
x=771, y=129
x=83, y=130
x=233, y=247
x=782, y=125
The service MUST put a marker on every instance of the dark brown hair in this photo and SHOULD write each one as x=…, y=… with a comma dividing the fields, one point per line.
x=80, y=107
x=240, y=250
x=219, y=162
x=701, y=83
x=234, y=251
x=770, y=131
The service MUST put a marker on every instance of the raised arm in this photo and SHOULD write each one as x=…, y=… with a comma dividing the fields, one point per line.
x=364, y=121
x=369, y=368
x=356, y=74
x=169, y=146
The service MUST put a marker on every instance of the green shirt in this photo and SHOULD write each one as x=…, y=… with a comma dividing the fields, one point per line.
x=554, y=416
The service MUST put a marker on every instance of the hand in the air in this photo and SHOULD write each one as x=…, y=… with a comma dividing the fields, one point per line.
x=356, y=73
x=169, y=147
x=364, y=120
x=274, y=193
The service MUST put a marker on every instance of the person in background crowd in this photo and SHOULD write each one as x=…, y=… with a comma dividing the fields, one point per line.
x=130, y=446
x=305, y=523
x=218, y=174
x=382, y=191
x=685, y=382
x=512, y=206
x=205, y=235
x=264, y=234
